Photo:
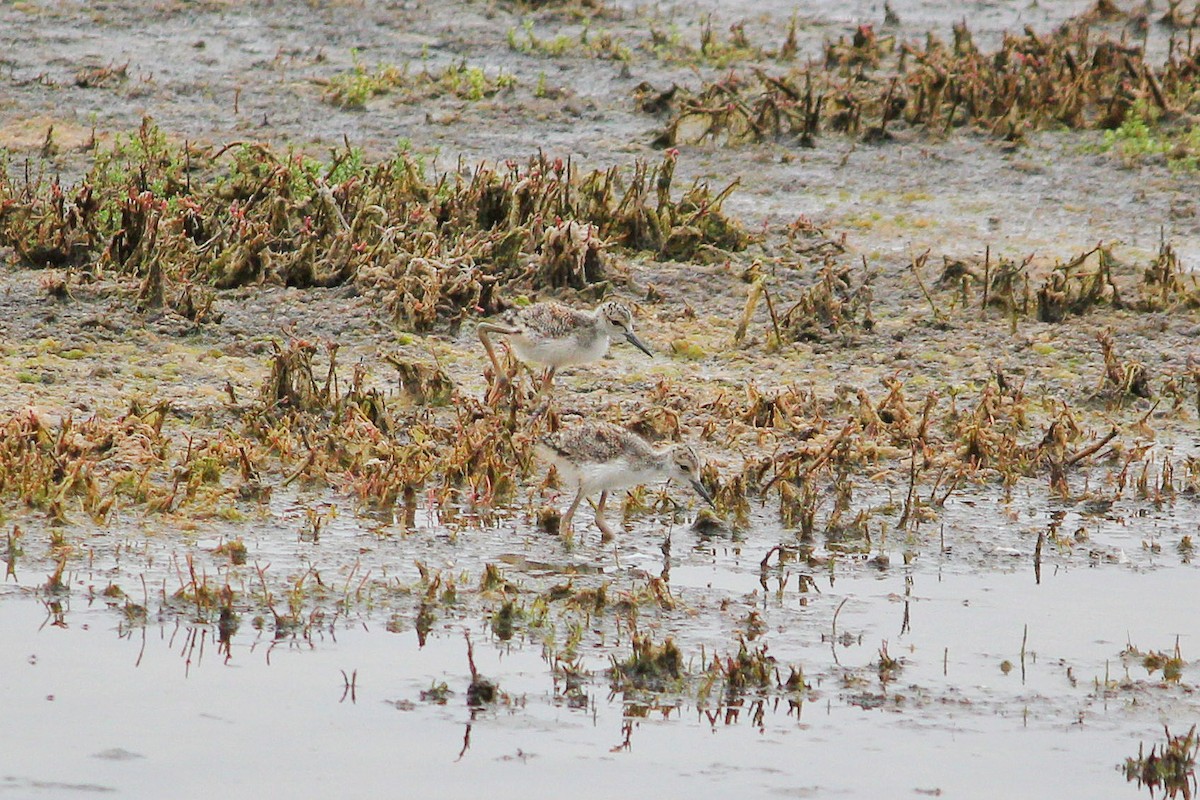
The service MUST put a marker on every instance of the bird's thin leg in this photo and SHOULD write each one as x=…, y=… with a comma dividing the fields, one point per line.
x=564, y=522
x=501, y=379
x=606, y=532
x=482, y=331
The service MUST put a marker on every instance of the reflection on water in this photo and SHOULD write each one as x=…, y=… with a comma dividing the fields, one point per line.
x=994, y=641
x=179, y=698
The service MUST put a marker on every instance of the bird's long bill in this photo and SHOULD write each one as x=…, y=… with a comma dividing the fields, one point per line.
x=703, y=492
x=636, y=342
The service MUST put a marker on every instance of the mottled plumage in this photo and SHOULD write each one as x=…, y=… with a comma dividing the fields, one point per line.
x=602, y=457
x=558, y=336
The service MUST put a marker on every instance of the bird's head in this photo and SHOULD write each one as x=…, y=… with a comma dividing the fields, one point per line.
x=618, y=324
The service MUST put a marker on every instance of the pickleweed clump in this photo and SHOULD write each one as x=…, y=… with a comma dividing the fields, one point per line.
x=1144, y=135
x=351, y=90
x=1169, y=766
x=1077, y=77
x=180, y=223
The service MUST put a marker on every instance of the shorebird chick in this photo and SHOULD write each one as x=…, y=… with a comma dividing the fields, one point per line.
x=602, y=457
x=557, y=336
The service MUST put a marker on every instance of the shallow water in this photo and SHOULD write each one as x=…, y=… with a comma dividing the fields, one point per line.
x=1012, y=679
x=1003, y=665
x=132, y=710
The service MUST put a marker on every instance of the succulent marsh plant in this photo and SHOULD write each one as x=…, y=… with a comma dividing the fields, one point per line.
x=1170, y=766
x=1077, y=76
x=649, y=667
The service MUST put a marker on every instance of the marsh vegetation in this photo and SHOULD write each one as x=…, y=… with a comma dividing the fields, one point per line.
x=921, y=294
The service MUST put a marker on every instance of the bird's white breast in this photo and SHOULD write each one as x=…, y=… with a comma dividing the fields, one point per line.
x=559, y=352
x=611, y=475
